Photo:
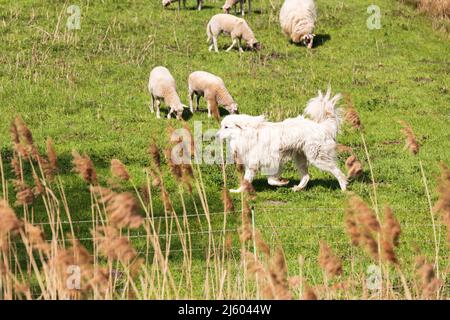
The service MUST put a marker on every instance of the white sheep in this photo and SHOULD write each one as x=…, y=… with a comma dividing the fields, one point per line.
x=166, y=3
x=161, y=86
x=297, y=19
x=230, y=3
x=236, y=27
x=211, y=87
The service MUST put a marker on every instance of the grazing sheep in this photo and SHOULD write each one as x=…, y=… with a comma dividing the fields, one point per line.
x=211, y=87
x=297, y=19
x=230, y=3
x=236, y=27
x=166, y=3
x=161, y=86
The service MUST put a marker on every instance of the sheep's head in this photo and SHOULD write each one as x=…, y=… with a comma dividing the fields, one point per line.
x=254, y=45
x=226, y=8
x=232, y=108
x=308, y=40
x=166, y=3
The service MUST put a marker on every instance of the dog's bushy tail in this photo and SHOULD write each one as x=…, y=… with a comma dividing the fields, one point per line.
x=322, y=109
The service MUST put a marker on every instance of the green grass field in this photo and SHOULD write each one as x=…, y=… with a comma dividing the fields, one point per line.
x=87, y=89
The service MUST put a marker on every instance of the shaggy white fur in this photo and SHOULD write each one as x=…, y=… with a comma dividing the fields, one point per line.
x=307, y=139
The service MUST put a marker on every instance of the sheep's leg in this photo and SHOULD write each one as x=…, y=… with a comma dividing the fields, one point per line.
x=232, y=45
x=240, y=46
x=249, y=175
x=242, y=7
x=158, y=104
x=152, y=103
x=249, y=6
x=216, y=49
x=191, y=103
x=198, y=102
x=302, y=166
x=209, y=108
x=212, y=106
x=170, y=113
x=199, y=5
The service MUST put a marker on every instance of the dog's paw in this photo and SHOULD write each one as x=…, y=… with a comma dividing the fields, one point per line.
x=297, y=188
x=277, y=182
x=236, y=190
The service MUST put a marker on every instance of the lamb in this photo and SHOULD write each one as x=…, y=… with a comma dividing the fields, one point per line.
x=230, y=3
x=166, y=3
x=211, y=87
x=297, y=19
x=162, y=86
x=236, y=27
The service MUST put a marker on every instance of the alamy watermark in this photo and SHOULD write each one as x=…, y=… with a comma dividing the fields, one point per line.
x=374, y=20
x=74, y=19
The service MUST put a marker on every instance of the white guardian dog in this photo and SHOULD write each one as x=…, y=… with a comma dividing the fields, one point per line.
x=264, y=146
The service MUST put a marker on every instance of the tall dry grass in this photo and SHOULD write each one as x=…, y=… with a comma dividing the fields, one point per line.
x=129, y=254
x=439, y=10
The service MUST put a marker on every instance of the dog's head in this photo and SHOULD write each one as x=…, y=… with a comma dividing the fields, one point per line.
x=232, y=126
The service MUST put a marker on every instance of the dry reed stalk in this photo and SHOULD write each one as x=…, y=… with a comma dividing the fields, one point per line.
x=84, y=166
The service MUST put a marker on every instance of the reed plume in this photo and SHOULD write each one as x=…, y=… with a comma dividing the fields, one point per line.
x=122, y=208
x=443, y=203
x=354, y=167
x=410, y=139
x=84, y=166
x=352, y=116
x=119, y=170
x=329, y=262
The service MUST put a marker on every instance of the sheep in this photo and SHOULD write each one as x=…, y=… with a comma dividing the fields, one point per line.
x=161, y=86
x=230, y=3
x=166, y=3
x=297, y=19
x=211, y=87
x=236, y=27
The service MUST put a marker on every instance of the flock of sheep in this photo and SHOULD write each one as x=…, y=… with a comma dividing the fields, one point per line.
x=297, y=20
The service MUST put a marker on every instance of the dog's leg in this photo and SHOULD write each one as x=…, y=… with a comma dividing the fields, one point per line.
x=332, y=168
x=302, y=166
x=248, y=176
x=274, y=180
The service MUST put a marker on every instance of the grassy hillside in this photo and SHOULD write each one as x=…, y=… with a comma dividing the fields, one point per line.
x=87, y=89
